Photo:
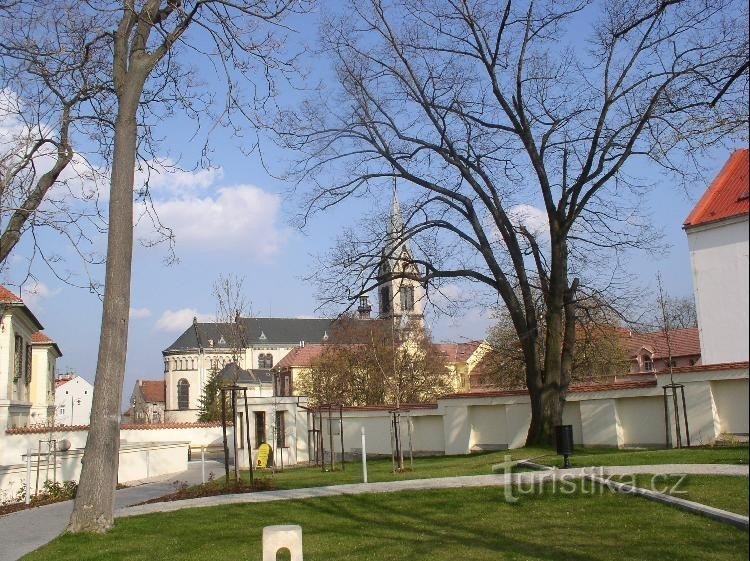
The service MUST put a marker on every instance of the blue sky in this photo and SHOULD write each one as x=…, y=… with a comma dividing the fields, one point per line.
x=236, y=219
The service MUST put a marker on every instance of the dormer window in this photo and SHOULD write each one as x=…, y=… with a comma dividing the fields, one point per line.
x=648, y=364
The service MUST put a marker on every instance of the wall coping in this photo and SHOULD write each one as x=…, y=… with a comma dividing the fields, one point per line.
x=75, y=428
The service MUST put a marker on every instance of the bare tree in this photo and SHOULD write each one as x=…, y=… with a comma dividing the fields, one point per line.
x=371, y=363
x=481, y=111
x=145, y=38
x=53, y=70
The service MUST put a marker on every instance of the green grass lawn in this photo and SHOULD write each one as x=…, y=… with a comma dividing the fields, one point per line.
x=481, y=464
x=437, y=525
x=721, y=491
x=613, y=457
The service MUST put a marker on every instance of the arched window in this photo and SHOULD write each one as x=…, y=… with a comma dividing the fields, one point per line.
x=385, y=299
x=183, y=394
x=265, y=360
x=407, y=298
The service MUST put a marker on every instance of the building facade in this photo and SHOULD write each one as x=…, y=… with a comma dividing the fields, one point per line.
x=73, y=399
x=27, y=366
x=148, y=402
x=717, y=233
x=255, y=344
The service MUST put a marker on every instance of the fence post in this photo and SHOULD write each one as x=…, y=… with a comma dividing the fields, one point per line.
x=364, y=457
x=27, y=499
x=203, y=464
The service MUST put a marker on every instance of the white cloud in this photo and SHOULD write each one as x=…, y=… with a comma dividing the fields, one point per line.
x=534, y=219
x=33, y=293
x=238, y=217
x=179, y=320
x=167, y=179
x=139, y=313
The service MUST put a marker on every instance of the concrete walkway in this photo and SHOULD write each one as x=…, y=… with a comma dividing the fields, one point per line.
x=434, y=483
x=25, y=531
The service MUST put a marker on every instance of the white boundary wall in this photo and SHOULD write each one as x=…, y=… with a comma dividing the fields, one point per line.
x=628, y=416
x=717, y=402
x=138, y=462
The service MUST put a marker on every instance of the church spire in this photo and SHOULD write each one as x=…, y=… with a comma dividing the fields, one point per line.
x=399, y=298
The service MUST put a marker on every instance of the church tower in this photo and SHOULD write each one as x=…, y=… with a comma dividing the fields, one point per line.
x=400, y=299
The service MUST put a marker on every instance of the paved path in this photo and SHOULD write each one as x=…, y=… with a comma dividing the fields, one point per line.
x=25, y=531
x=434, y=483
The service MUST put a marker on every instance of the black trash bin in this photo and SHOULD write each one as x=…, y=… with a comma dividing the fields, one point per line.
x=564, y=442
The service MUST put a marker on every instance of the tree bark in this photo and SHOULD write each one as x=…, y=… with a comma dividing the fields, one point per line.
x=93, y=510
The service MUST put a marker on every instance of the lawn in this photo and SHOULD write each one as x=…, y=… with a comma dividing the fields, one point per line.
x=439, y=525
x=614, y=457
x=481, y=464
x=721, y=491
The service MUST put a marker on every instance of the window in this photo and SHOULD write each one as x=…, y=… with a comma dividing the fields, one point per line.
x=280, y=430
x=18, y=359
x=385, y=299
x=407, y=298
x=283, y=384
x=260, y=427
x=183, y=394
x=648, y=364
x=265, y=360
x=27, y=369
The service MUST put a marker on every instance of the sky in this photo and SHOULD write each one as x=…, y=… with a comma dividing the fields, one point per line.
x=237, y=218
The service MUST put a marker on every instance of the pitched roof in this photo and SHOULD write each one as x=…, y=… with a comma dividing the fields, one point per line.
x=153, y=391
x=727, y=196
x=458, y=352
x=8, y=297
x=41, y=338
x=684, y=342
x=301, y=357
x=63, y=379
x=266, y=331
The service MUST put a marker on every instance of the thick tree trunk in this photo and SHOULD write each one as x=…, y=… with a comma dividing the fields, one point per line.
x=546, y=412
x=548, y=396
x=93, y=510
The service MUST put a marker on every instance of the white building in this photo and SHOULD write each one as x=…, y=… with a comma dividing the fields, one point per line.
x=27, y=365
x=206, y=348
x=717, y=232
x=73, y=397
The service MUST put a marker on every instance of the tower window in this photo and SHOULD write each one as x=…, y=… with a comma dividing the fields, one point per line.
x=407, y=298
x=385, y=299
x=183, y=394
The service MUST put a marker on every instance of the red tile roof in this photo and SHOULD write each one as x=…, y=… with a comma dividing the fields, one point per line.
x=728, y=194
x=153, y=391
x=40, y=337
x=301, y=357
x=63, y=379
x=457, y=352
x=8, y=297
x=684, y=342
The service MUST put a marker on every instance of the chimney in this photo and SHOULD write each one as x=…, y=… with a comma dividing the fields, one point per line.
x=301, y=344
x=364, y=307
